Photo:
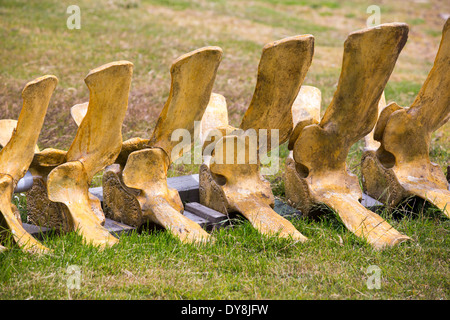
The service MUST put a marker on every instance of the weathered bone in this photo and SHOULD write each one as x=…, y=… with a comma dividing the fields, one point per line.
x=17, y=154
x=214, y=124
x=135, y=190
x=316, y=173
x=239, y=186
x=7, y=128
x=401, y=166
x=281, y=71
x=65, y=176
x=159, y=203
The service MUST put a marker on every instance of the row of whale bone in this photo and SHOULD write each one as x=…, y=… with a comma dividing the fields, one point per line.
x=135, y=189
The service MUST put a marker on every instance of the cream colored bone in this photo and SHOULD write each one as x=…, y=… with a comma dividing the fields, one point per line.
x=135, y=190
x=401, y=166
x=17, y=154
x=215, y=116
x=78, y=112
x=316, y=173
x=305, y=111
x=7, y=127
x=232, y=186
x=369, y=142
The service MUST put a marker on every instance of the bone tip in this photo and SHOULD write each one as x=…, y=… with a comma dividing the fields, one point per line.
x=303, y=38
x=209, y=50
x=127, y=65
x=217, y=97
x=49, y=80
x=38, y=249
x=197, y=239
x=104, y=243
x=299, y=237
x=392, y=243
x=384, y=26
x=400, y=239
x=388, y=25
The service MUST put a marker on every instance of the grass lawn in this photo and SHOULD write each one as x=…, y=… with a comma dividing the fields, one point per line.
x=241, y=264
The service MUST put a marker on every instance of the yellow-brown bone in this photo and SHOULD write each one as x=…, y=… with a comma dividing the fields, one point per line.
x=159, y=203
x=230, y=186
x=66, y=176
x=317, y=173
x=17, y=154
x=401, y=166
x=281, y=71
x=139, y=193
x=305, y=111
x=238, y=186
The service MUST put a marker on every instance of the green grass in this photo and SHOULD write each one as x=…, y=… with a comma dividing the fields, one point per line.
x=241, y=264
x=402, y=92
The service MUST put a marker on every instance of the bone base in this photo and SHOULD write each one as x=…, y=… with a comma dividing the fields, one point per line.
x=210, y=194
x=344, y=200
x=46, y=213
x=258, y=208
x=11, y=226
x=126, y=205
x=297, y=191
x=392, y=187
x=379, y=182
x=120, y=202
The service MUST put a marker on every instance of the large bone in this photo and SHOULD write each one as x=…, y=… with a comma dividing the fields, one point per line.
x=17, y=154
x=229, y=184
x=281, y=71
x=401, y=166
x=135, y=189
x=316, y=173
x=60, y=196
